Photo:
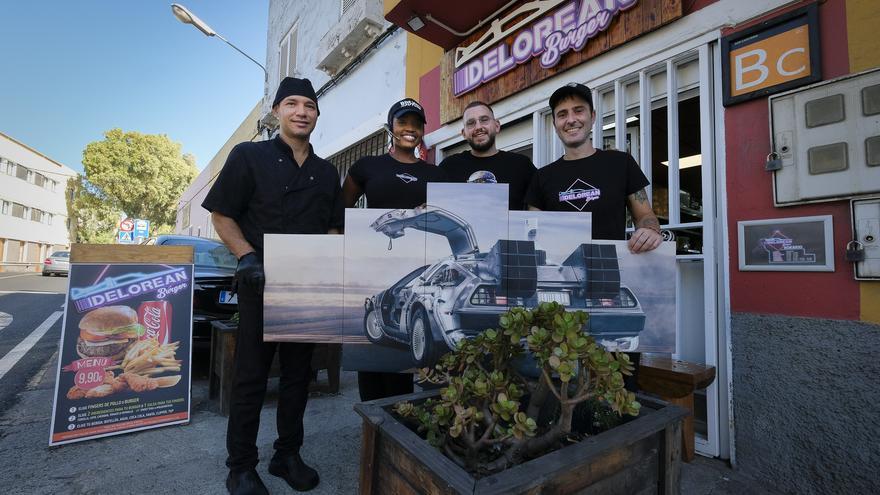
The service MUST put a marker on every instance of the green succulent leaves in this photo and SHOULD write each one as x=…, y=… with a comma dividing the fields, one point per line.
x=479, y=415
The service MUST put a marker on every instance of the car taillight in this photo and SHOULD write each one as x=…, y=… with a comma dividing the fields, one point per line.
x=48, y=261
x=487, y=295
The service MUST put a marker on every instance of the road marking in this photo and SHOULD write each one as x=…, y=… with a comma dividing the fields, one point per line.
x=5, y=320
x=25, y=345
x=22, y=275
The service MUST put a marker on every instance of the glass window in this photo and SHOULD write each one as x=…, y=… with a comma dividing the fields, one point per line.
x=5, y=207
x=39, y=180
x=18, y=210
x=206, y=253
x=21, y=172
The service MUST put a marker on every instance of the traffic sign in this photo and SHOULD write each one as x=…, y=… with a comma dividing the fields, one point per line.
x=126, y=225
x=125, y=237
x=142, y=228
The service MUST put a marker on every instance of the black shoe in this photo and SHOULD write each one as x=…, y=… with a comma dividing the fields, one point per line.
x=294, y=471
x=245, y=483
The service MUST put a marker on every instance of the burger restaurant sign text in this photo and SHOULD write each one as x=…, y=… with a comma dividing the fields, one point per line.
x=538, y=39
x=540, y=34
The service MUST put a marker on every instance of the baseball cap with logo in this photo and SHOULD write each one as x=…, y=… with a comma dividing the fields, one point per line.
x=403, y=107
x=571, y=89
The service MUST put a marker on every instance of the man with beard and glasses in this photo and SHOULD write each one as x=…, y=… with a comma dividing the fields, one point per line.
x=484, y=162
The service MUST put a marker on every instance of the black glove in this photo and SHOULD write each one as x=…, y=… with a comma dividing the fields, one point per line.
x=249, y=273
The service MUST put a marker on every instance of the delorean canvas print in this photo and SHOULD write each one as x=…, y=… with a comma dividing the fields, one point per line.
x=417, y=281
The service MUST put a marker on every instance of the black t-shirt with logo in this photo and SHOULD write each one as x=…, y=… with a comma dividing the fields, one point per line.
x=598, y=183
x=504, y=167
x=388, y=183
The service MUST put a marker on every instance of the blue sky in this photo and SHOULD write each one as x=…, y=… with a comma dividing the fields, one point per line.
x=70, y=70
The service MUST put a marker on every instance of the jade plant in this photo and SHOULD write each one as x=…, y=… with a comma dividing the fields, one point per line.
x=486, y=416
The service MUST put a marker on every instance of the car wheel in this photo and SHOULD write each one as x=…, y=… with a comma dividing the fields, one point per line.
x=45, y=274
x=421, y=340
x=373, y=327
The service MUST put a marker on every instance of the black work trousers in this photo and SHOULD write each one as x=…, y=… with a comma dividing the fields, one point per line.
x=253, y=358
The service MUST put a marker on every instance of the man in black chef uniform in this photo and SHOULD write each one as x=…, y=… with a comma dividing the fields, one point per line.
x=271, y=187
x=484, y=162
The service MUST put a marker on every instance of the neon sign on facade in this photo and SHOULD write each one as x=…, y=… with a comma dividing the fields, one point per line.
x=566, y=29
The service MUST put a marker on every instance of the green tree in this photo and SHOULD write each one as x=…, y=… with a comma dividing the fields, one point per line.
x=140, y=175
x=93, y=220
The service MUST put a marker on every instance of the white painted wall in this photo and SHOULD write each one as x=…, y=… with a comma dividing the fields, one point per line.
x=16, y=190
x=358, y=104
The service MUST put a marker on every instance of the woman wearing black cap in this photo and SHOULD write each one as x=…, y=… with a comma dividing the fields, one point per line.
x=397, y=179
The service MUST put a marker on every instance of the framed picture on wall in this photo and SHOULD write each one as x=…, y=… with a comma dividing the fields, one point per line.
x=800, y=244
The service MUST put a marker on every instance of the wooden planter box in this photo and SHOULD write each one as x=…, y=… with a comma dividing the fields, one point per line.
x=640, y=457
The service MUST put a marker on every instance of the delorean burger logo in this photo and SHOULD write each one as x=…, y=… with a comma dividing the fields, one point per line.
x=407, y=178
x=578, y=194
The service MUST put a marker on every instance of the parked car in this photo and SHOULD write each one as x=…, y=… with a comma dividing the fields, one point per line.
x=212, y=291
x=435, y=306
x=58, y=263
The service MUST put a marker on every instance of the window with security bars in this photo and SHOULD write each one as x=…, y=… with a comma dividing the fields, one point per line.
x=287, y=55
x=18, y=210
x=373, y=145
x=346, y=4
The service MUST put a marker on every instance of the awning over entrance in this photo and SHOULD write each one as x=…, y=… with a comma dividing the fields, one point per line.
x=445, y=23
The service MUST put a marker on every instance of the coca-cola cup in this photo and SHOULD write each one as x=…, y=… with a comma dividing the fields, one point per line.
x=155, y=317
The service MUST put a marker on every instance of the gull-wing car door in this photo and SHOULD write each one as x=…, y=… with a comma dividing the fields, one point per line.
x=457, y=231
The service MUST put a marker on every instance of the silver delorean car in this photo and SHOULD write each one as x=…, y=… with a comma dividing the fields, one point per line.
x=435, y=306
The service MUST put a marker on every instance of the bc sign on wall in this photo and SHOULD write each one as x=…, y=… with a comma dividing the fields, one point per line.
x=774, y=56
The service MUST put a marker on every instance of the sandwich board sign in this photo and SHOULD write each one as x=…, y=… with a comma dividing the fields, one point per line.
x=125, y=347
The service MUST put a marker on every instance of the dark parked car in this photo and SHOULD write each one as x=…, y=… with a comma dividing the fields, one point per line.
x=58, y=263
x=433, y=307
x=212, y=291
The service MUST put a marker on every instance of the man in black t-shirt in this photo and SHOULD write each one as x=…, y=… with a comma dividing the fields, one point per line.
x=586, y=179
x=278, y=186
x=484, y=162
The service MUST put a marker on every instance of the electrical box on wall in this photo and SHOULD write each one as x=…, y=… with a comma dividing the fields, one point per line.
x=827, y=137
x=866, y=238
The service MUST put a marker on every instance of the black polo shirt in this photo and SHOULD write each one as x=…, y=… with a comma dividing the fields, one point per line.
x=265, y=191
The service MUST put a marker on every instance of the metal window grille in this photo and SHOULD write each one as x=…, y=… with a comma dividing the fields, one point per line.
x=346, y=4
x=17, y=210
x=373, y=145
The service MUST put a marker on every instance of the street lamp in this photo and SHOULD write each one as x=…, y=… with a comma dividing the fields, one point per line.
x=187, y=17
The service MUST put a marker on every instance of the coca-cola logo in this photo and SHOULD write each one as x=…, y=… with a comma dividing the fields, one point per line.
x=153, y=322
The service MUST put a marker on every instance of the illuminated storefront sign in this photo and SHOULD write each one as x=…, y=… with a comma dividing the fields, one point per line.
x=568, y=28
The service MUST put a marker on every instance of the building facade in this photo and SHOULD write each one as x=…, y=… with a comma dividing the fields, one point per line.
x=680, y=86
x=357, y=62
x=192, y=219
x=33, y=209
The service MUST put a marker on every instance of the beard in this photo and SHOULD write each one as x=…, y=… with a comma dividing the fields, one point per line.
x=486, y=146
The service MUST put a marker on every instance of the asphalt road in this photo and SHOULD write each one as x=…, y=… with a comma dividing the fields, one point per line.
x=30, y=326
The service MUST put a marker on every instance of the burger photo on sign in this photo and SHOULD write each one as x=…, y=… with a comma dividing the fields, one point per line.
x=108, y=332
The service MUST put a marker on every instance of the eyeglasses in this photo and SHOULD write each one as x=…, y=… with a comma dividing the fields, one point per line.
x=471, y=123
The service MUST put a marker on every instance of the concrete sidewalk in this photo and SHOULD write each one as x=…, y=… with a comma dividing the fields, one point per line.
x=189, y=459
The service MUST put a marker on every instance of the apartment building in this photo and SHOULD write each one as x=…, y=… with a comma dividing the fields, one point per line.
x=33, y=210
